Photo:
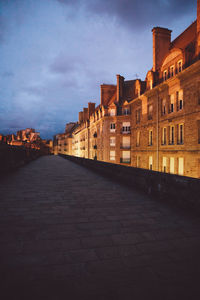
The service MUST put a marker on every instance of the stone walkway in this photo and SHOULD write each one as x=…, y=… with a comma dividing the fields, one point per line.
x=68, y=233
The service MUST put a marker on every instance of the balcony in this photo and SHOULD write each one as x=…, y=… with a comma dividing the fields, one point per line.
x=128, y=147
x=125, y=160
x=127, y=131
x=150, y=117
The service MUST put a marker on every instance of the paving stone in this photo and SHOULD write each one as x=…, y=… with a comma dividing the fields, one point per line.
x=68, y=233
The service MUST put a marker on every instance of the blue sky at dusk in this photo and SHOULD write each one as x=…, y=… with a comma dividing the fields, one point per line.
x=54, y=54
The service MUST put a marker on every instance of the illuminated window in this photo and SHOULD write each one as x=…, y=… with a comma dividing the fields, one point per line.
x=126, y=111
x=180, y=166
x=163, y=107
x=151, y=84
x=171, y=135
x=138, y=161
x=126, y=157
x=171, y=71
x=164, y=136
x=172, y=165
x=150, y=137
x=112, y=141
x=180, y=136
x=126, y=127
x=150, y=112
x=126, y=142
x=112, y=155
x=171, y=103
x=165, y=75
x=179, y=66
x=179, y=100
x=112, y=112
x=112, y=127
x=138, y=139
x=164, y=165
x=150, y=163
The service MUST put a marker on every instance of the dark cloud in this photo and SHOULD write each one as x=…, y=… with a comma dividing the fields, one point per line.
x=8, y=74
x=65, y=64
x=2, y=28
x=138, y=13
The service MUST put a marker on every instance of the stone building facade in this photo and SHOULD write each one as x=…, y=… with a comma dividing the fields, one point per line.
x=152, y=124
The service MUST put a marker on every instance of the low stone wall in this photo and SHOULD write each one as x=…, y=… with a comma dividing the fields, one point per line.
x=12, y=157
x=181, y=190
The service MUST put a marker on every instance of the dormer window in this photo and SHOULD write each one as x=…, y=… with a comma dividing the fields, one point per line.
x=126, y=111
x=112, y=112
x=171, y=71
x=165, y=75
x=179, y=66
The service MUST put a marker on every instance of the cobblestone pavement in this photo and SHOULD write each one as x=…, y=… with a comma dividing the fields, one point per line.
x=68, y=233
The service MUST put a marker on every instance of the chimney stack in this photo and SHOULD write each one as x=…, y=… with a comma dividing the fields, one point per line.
x=120, y=85
x=85, y=114
x=161, y=44
x=91, y=108
x=80, y=117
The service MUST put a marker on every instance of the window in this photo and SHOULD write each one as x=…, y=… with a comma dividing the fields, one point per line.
x=164, y=136
x=180, y=136
x=138, y=161
x=165, y=75
x=150, y=137
x=112, y=155
x=126, y=157
x=112, y=112
x=180, y=166
x=126, y=128
x=112, y=141
x=171, y=103
x=150, y=163
x=138, y=112
x=172, y=165
x=150, y=112
x=112, y=127
x=138, y=139
x=164, y=165
x=126, y=111
x=163, y=108
x=171, y=71
x=198, y=131
x=126, y=142
x=151, y=84
x=179, y=66
x=171, y=135
x=198, y=97
x=179, y=100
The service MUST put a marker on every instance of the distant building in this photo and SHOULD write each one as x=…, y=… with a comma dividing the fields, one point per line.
x=152, y=124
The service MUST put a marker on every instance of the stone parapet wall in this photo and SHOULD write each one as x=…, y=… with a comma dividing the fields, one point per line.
x=180, y=190
x=12, y=157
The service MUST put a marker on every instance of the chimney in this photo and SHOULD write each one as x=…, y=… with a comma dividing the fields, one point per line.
x=85, y=114
x=80, y=117
x=120, y=85
x=91, y=108
x=161, y=44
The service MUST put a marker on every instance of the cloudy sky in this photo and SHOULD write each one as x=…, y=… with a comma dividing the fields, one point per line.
x=54, y=54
